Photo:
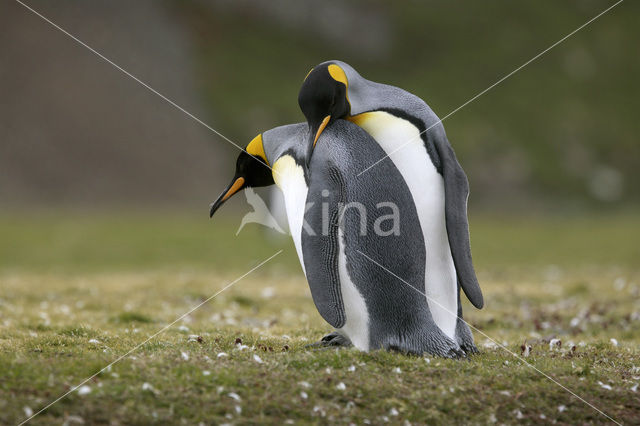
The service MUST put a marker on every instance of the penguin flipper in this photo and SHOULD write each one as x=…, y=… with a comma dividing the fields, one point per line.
x=321, y=251
x=456, y=189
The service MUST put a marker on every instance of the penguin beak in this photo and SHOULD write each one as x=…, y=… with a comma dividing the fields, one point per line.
x=236, y=185
x=323, y=124
x=316, y=135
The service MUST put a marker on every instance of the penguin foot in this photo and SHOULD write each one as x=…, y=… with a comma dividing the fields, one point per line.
x=465, y=338
x=429, y=341
x=455, y=353
x=469, y=348
x=333, y=339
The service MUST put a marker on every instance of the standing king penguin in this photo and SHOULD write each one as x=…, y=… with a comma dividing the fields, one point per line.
x=413, y=138
x=335, y=220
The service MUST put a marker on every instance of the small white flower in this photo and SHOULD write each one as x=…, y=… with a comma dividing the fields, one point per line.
x=427, y=360
x=328, y=370
x=518, y=414
x=614, y=342
x=634, y=388
x=148, y=387
x=562, y=408
x=235, y=396
x=27, y=411
x=554, y=343
x=95, y=341
x=184, y=355
x=257, y=359
x=223, y=355
x=397, y=370
x=206, y=373
x=73, y=420
x=393, y=412
x=351, y=368
x=304, y=395
x=238, y=409
x=619, y=283
x=306, y=385
x=341, y=386
x=183, y=328
x=505, y=393
x=604, y=386
x=84, y=390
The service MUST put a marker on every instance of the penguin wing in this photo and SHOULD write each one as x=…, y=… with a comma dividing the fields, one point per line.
x=320, y=249
x=456, y=188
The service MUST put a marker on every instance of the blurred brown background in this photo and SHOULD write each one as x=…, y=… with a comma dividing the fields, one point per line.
x=76, y=132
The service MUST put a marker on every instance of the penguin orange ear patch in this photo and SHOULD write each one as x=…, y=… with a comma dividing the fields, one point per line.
x=256, y=148
x=338, y=74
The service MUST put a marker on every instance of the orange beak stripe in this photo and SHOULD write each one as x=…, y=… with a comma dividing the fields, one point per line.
x=234, y=188
x=321, y=128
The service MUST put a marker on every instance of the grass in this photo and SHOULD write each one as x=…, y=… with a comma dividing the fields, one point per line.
x=78, y=292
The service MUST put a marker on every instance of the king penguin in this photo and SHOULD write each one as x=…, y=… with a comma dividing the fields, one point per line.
x=413, y=139
x=339, y=224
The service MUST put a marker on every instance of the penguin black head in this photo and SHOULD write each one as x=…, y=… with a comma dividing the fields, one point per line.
x=323, y=98
x=252, y=170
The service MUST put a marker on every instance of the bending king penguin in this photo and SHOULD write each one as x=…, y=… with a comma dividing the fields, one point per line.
x=414, y=142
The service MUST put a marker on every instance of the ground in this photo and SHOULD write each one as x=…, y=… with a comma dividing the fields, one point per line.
x=78, y=291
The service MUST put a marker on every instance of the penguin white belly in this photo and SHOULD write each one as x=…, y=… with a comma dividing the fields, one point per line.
x=427, y=189
x=356, y=326
x=289, y=177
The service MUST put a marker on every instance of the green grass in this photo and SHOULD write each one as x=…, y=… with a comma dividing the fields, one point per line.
x=77, y=292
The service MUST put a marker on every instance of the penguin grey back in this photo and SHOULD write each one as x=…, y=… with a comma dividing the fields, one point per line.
x=289, y=139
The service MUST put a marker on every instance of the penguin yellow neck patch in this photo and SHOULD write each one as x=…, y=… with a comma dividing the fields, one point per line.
x=361, y=119
x=256, y=148
x=338, y=74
